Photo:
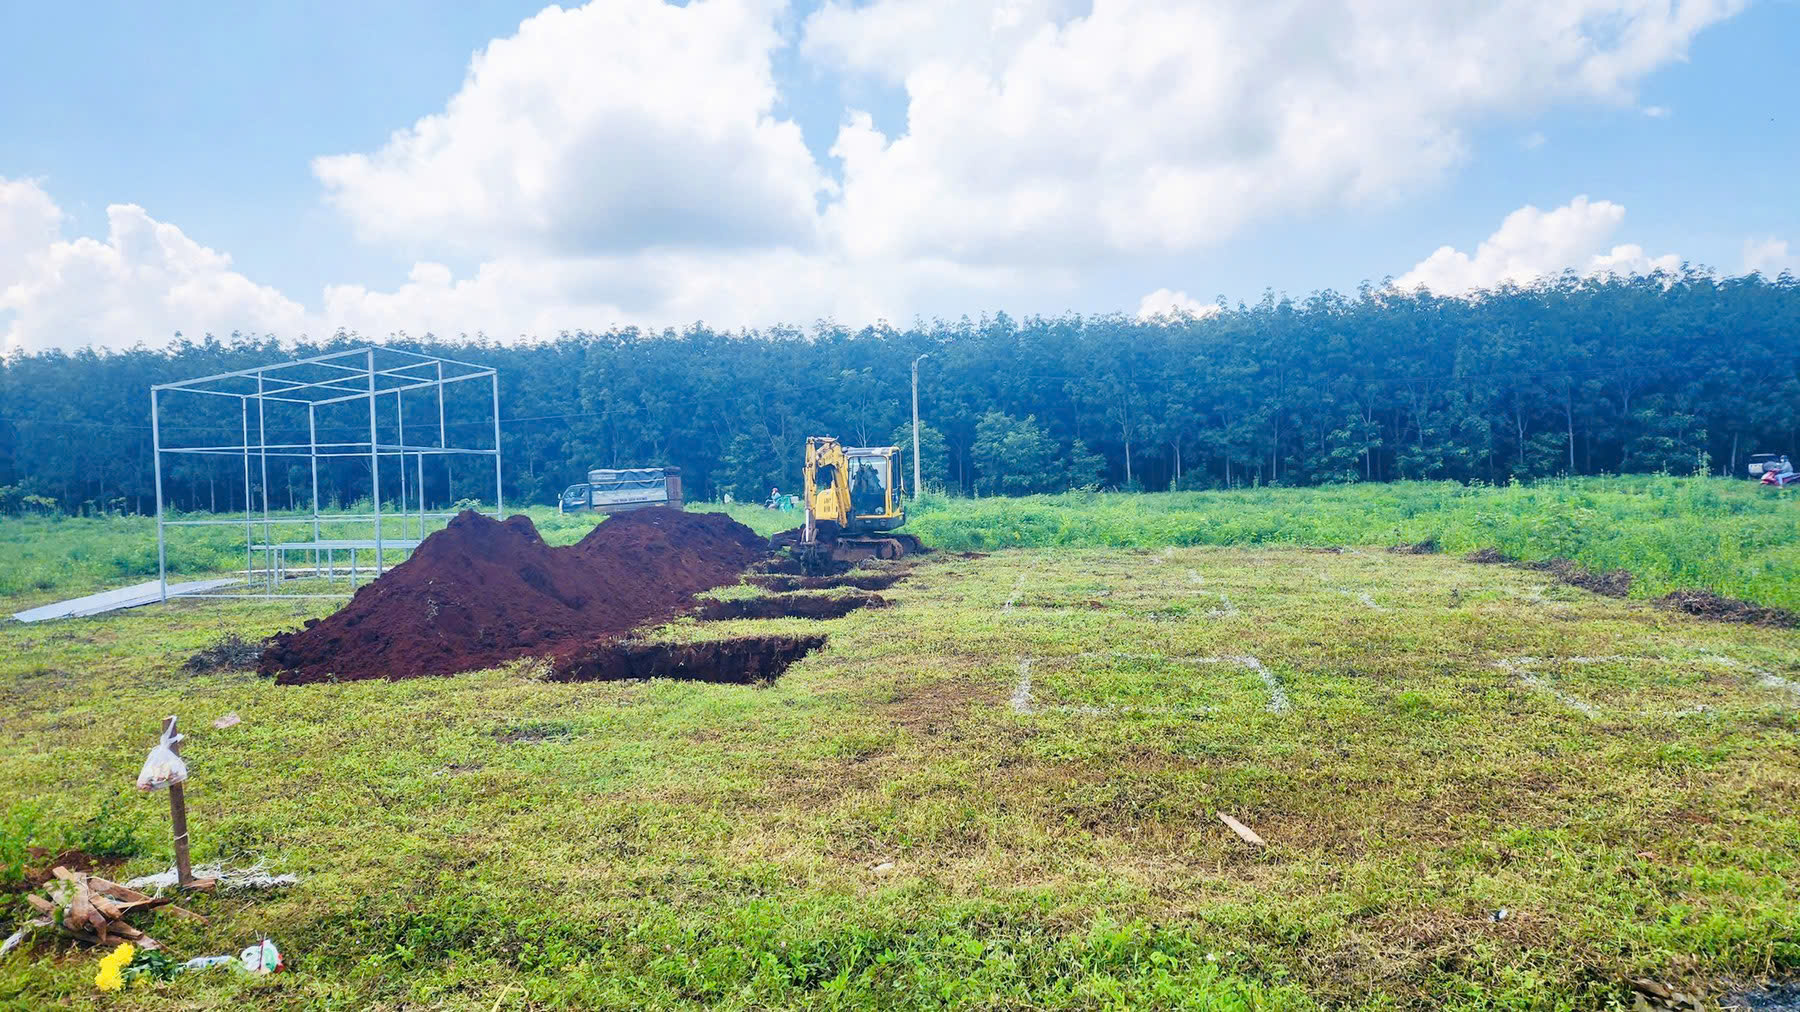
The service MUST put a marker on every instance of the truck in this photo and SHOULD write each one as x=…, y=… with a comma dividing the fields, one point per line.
x=616, y=489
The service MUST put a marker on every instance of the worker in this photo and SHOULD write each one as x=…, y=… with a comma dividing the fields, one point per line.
x=774, y=502
x=865, y=490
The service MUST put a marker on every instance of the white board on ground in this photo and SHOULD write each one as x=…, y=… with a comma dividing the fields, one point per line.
x=148, y=592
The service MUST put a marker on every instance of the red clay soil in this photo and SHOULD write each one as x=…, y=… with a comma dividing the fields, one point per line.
x=749, y=660
x=482, y=591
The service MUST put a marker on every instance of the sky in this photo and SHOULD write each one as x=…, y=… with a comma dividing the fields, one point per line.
x=518, y=171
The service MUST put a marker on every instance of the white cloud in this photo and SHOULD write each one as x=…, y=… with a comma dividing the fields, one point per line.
x=29, y=222
x=1770, y=256
x=630, y=162
x=1165, y=125
x=143, y=282
x=1533, y=140
x=1164, y=302
x=1532, y=244
x=622, y=125
x=1656, y=111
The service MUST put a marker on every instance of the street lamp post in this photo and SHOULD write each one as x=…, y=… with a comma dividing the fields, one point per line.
x=915, y=370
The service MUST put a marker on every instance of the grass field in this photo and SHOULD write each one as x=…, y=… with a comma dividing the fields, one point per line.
x=1001, y=792
x=1732, y=537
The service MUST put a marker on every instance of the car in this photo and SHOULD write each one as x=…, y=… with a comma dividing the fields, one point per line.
x=1769, y=463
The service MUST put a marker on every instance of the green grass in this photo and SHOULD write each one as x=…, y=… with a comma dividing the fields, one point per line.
x=1733, y=537
x=1631, y=797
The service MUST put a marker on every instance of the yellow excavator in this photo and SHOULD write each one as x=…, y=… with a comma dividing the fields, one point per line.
x=852, y=500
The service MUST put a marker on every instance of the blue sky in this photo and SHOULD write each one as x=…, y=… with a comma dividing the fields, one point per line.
x=211, y=122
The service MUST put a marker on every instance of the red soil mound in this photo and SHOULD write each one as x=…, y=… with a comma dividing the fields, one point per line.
x=482, y=591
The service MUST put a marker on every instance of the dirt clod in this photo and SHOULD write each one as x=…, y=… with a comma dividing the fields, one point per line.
x=789, y=606
x=1610, y=583
x=1489, y=556
x=482, y=591
x=1427, y=547
x=231, y=653
x=1706, y=604
x=745, y=661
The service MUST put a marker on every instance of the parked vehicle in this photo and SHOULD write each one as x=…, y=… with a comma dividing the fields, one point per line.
x=614, y=490
x=1765, y=463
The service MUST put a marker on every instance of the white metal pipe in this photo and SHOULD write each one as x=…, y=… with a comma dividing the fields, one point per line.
x=162, y=559
x=499, y=495
x=374, y=465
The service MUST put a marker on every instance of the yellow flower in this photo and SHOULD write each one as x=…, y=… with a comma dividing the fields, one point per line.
x=112, y=967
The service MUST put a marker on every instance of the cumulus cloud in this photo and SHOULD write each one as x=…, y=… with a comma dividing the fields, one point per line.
x=1164, y=302
x=1770, y=257
x=1532, y=244
x=1164, y=125
x=632, y=161
x=621, y=125
x=142, y=283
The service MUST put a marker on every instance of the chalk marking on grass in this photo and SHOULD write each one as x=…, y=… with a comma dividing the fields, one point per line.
x=1278, y=697
x=1777, y=682
x=1363, y=598
x=1765, y=679
x=1021, y=696
x=1018, y=588
x=1520, y=668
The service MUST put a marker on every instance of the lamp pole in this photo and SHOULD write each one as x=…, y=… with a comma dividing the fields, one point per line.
x=915, y=370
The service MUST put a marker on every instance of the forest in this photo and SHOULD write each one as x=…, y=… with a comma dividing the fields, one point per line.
x=1679, y=373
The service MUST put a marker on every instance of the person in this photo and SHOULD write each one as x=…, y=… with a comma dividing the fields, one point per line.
x=865, y=490
x=774, y=502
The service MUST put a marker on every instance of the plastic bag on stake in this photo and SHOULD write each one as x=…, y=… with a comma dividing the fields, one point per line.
x=163, y=767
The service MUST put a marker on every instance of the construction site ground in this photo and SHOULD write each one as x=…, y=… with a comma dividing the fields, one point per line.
x=999, y=787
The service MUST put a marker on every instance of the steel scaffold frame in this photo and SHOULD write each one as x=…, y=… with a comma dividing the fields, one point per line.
x=324, y=382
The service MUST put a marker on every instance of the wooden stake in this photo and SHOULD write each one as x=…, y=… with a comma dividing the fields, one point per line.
x=184, y=871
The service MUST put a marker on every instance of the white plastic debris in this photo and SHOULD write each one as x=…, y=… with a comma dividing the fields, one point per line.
x=163, y=767
x=230, y=880
x=229, y=720
x=258, y=959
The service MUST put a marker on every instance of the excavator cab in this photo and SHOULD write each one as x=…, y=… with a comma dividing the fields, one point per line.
x=874, y=486
x=853, y=497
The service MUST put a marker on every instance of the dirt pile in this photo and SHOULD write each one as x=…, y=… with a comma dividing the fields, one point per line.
x=482, y=591
x=1610, y=582
x=1706, y=604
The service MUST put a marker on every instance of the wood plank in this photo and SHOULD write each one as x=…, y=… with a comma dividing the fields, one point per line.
x=116, y=891
x=1244, y=832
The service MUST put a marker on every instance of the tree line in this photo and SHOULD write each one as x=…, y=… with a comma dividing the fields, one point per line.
x=1680, y=373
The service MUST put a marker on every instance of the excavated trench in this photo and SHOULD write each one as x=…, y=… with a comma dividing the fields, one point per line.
x=855, y=581
x=746, y=660
x=789, y=606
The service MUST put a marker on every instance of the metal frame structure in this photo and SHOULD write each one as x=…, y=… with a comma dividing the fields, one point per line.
x=338, y=382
